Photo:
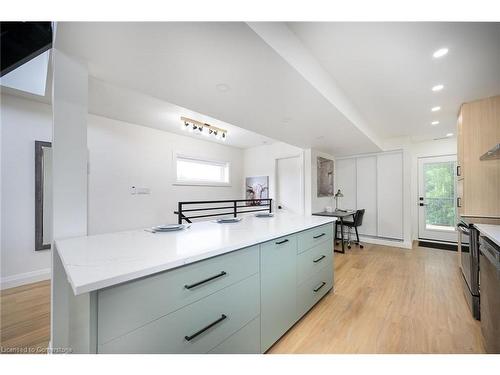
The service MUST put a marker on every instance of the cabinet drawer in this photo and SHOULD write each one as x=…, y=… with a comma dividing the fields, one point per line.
x=196, y=328
x=311, y=261
x=126, y=307
x=313, y=289
x=245, y=341
x=314, y=236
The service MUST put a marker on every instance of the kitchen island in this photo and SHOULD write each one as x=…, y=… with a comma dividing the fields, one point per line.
x=218, y=288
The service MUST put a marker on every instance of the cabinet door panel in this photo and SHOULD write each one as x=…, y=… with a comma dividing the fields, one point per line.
x=346, y=181
x=278, y=288
x=366, y=182
x=390, y=195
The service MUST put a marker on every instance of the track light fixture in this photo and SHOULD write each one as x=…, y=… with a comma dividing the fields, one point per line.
x=204, y=128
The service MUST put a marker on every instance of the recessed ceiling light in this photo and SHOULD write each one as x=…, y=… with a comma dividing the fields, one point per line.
x=435, y=109
x=222, y=87
x=438, y=88
x=449, y=135
x=435, y=123
x=440, y=53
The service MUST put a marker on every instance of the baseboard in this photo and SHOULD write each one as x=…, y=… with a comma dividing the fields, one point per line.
x=386, y=242
x=438, y=245
x=24, y=278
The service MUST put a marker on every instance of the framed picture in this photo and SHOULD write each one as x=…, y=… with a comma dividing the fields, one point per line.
x=257, y=188
x=324, y=169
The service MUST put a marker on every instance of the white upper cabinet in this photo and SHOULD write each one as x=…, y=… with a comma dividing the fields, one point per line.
x=390, y=195
x=346, y=182
x=366, y=194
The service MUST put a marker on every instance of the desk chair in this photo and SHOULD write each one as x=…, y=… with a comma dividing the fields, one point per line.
x=357, y=221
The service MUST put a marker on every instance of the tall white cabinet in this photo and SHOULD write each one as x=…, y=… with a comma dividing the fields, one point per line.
x=374, y=182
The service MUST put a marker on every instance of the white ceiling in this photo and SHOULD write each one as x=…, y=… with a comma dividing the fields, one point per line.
x=336, y=87
x=134, y=107
x=183, y=63
x=387, y=70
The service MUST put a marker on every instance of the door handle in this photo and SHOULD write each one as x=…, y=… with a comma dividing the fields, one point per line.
x=319, y=259
x=189, y=338
x=422, y=204
x=319, y=287
x=223, y=273
x=281, y=242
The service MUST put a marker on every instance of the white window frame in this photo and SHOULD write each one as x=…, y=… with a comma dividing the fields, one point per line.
x=226, y=164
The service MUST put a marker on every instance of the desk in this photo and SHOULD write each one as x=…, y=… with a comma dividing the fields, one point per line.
x=340, y=215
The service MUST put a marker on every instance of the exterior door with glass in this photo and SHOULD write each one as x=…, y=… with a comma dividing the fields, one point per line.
x=436, y=198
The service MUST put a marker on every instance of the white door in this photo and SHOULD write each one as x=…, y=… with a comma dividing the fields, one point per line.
x=289, y=184
x=436, y=198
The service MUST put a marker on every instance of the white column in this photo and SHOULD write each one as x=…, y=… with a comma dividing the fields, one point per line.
x=69, y=145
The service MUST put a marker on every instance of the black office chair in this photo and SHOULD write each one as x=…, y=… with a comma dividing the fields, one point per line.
x=357, y=221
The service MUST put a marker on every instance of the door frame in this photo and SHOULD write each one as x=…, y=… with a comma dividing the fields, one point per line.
x=426, y=234
x=300, y=156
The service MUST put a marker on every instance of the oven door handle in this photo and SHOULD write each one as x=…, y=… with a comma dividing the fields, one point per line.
x=464, y=229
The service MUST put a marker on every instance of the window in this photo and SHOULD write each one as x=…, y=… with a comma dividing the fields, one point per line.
x=192, y=171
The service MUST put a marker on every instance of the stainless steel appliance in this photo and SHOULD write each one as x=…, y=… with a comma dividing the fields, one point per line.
x=490, y=294
x=468, y=240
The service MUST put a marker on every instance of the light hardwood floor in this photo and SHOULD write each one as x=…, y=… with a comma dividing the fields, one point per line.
x=25, y=317
x=389, y=300
x=386, y=300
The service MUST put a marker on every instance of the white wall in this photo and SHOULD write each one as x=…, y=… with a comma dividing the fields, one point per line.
x=124, y=155
x=120, y=155
x=22, y=121
x=261, y=161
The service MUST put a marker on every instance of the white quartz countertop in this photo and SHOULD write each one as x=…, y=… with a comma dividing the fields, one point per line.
x=99, y=261
x=491, y=231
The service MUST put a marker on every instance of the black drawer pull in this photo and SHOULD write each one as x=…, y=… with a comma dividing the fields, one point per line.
x=319, y=287
x=319, y=235
x=189, y=338
x=223, y=273
x=319, y=259
x=281, y=242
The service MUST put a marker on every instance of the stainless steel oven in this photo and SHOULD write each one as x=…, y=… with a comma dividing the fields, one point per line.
x=490, y=294
x=469, y=258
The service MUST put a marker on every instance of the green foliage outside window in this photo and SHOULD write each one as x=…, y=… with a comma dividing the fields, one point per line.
x=440, y=193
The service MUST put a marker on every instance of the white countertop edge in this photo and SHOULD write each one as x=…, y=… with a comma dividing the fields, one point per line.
x=491, y=231
x=104, y=283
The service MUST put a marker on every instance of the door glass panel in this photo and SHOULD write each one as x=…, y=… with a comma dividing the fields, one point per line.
x=439, y=187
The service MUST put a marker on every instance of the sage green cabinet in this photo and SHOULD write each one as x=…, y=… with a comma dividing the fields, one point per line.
x=278, y=267
x=196, y=328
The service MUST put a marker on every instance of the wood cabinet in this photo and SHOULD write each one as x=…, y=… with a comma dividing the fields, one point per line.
x=478, y=130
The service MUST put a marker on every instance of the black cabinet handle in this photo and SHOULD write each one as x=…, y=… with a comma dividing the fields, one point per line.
x=319, y=235
x=189, y=338
x=223, y=273
x=459, y=171
x=280, y=242
x=319, y=287
x=319, y=259
x=459, y=202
